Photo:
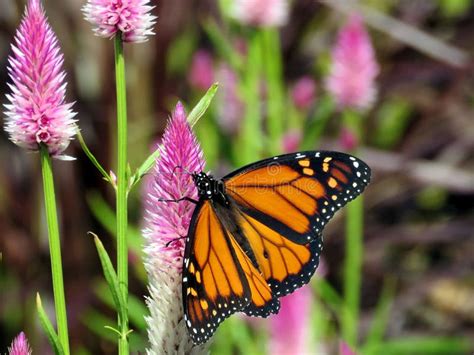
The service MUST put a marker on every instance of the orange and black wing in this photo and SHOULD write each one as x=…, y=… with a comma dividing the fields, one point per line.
x=284, y=203
x=218, y=277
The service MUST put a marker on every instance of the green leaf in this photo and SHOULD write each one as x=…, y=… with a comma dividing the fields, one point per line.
x=110, y=277
x=197, y=112
x=97, y=323
x=317, y=123
x=454, y=8
x=223, y=45
x=392, y=120
x=48, y=328
x=180, y=51
x=106, y=217
x=136, y=307
x=144, y=168
x=328, y=294
x=200, y=109
x=415, y=345
x=382, y=313
x=92, y=158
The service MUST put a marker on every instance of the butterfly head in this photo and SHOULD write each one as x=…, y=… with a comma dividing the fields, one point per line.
x=208, y=187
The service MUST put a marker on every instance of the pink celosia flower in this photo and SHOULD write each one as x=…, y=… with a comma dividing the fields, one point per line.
x=261, y=13
x=291, y=141
x=303, y=92
x=230, y=106
x=37, y=113
x=20, y=346
x=344, y=349
x=201, y=73
x=354, y=67
x=348, y=139
x=131, y=18
x=289, y=329
x=166, y=225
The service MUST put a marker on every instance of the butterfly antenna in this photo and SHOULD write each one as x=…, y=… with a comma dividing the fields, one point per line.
x=183, y=169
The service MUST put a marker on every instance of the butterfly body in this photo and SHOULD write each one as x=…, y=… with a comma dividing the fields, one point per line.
x=255, y=234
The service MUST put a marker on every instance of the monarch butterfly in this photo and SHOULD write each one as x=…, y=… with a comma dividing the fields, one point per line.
x=255, y=235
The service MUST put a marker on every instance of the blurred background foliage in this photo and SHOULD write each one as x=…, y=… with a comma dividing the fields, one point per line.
x=417, y=292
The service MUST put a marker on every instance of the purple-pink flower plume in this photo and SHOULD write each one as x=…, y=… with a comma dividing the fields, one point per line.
x=37, y=112
x=132, y=18
x=201, y=73
x=261, y=13
x=166, y=225
x=289, y=329
x=354, y=67
x=230, y=105
x=303, y=92
x=20, y=346
x=168, y=221
x=291, y=141
x=345, y=349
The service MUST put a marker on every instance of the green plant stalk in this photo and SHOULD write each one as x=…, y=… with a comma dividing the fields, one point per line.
x=271, y=51
x=54, y=248
x=353, y=269
x=353, y=250
x=121, y=196
x=250, y=139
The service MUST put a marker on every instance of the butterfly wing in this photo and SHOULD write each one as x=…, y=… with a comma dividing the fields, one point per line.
x=284, y=203
x=218, y=277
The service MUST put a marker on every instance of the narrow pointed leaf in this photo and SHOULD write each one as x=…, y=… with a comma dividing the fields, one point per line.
x=196, y=113
x=48, y=328
x=200, y=109
x=110, y=276
x=91, y=157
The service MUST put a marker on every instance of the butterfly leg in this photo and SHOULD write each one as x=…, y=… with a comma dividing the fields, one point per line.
x=189, y=199
x=174, y=240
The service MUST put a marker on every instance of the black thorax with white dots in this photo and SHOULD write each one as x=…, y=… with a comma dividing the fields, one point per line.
x=210, y=188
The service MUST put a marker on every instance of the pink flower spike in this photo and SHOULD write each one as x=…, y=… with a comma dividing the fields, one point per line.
x=289, y=329
x=261, y=13
x=354, y=67
x=348, y=139
x=131, y=18
x=291, y=141
x=344, y=349
x=36, y=113
x=20, y=346
x=201, y=74
x=303, y=92
x=166, y=223
x=230, y=106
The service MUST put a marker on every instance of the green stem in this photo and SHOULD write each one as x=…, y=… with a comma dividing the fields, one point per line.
x=250, y=139
x=122, y=187
x=271, y=51
x=54, y=248
x=352, y=269
x=354, y=250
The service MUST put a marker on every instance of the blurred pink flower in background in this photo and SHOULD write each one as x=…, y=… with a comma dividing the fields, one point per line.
x=291, y=141
x=261, y=13
x=289, y=329
x=344, y=349
x=230, y=106
x=166, y=223
x=348, y=139
x=303, y=92
x=354, y=67
x=20, y=346
x=36, y=112
x=130, y=17
x=201, y=73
